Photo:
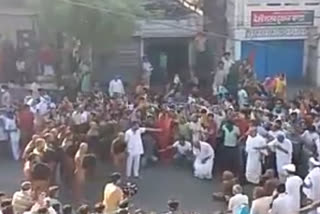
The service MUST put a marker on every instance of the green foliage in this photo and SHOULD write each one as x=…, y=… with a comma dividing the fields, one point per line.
x=99, y=23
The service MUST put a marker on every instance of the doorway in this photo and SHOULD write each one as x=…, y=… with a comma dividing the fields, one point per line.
x=168, y=56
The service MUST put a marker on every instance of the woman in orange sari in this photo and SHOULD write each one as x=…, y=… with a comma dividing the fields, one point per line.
x=165, y=138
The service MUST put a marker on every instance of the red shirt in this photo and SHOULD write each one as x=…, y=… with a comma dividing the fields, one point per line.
x=243, y=125
x=26, y=121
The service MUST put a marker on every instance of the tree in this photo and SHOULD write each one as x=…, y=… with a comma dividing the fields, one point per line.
x=99, y=23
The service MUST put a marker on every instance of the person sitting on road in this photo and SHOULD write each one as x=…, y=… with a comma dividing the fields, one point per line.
x=183, y=150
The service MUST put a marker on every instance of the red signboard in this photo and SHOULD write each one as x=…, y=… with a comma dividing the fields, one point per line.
x=282, y=18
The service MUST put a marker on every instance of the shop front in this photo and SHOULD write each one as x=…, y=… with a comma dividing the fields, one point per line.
x=276, y=42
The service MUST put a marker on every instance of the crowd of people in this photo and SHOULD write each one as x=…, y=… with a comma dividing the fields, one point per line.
x=244, y=132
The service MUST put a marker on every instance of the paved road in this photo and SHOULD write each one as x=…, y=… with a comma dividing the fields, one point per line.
x=158, y=184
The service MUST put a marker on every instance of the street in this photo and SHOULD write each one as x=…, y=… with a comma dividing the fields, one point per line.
x=158, y=184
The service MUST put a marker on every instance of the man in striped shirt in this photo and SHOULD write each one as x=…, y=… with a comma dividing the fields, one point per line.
x=22, y=200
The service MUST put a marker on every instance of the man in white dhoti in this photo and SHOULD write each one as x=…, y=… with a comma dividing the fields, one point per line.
x=311, y=187
x=254, y=158
x=283, y=150
x=204, y=159
x=135, y=147
x=293, y=186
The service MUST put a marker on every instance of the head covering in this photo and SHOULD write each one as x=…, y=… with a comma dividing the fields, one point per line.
x=115, y=177
x=290, y=168
x=314, y=161
x=26, y=185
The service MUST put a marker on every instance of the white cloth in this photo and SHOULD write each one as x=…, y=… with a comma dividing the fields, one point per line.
x=133, y=161
x=281, y=205
x=48, y=70
x=203, y=170
x=318, y=147
x=282, y=158
x=183, y=150
x=14, y=137
x=227, y=65
x=261, y=205
x=195, y=128
x=21, y=66
x=243, y=98
x=293, y=186
x=116, y=86
x=253, y=167
x=236, y=201
x=218, y=80
x=134, y=141
x=313, y=180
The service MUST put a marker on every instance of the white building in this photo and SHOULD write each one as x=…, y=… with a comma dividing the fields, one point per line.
x=277, y=36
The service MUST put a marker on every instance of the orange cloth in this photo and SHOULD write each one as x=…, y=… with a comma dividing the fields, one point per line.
x=113, y=195
x=165, y=137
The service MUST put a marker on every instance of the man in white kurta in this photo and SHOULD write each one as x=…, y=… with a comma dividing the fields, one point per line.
x=311, y=186
x=135, y=147
x=253, y=167
x=283, y=150
x=293, y=187
x=116, y=87
x=204, y=158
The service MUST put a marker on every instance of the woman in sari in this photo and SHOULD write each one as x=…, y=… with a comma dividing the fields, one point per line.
x=79, y=173
x=165, y=138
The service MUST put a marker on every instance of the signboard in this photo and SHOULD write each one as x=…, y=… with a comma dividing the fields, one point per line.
x=282, y=18
x=254, y=33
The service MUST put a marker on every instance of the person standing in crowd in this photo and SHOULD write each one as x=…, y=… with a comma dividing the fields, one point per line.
x=311, y=186
x=293, y=186
x=219, y=78
x=22, y=200
x=135, y=147
x=147, y=69
x=85, y=79
x=237, y=200
x=14, y=134
x=243, y=97
x=254, y=156
x=118, y=152
x=21, y=68
x=26, y=125
x=6, y=100
x=116, y=88
x=204, y=160
x=230, y=159
x=79, y=172
x=283, y=150
x=227, y=62
x=281, y=202
x=281, y=87
x=113, y=194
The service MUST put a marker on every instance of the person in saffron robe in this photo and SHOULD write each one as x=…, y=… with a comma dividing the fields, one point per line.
x=118, y=152
x=79, y=173
x=165, y=138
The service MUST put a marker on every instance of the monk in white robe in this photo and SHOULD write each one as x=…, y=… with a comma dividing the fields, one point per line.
x=311, y=186
x=253, y=167
x=204, y=158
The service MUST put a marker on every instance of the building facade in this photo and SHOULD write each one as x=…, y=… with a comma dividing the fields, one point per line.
x=277, y=36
